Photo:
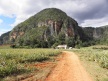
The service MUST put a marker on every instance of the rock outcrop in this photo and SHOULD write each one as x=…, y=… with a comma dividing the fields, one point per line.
x=47, y=26
x=4, y=38
x=53, y=20
x=96, y=33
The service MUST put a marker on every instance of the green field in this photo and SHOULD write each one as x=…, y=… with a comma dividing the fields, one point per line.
x=13, y=61
x=95, y=60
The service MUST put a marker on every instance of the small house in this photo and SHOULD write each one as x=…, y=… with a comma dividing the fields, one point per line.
x=62, y=46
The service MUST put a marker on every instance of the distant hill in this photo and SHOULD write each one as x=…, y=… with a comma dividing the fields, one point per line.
x=49, y=28
x=4, y=38
x=99, y=33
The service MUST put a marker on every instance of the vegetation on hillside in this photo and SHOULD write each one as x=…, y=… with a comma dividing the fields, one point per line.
x=44, y=15
x=98, y=35
x=4, y=38
x=28, y=34
x=41, y=37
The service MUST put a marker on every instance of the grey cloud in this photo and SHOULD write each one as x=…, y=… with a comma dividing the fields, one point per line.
x=92, y=11
x=80, y=10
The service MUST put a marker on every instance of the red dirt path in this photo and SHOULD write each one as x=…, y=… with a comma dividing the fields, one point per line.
x=69, y=69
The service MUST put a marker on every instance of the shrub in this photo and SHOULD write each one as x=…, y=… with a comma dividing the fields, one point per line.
x=13, y=46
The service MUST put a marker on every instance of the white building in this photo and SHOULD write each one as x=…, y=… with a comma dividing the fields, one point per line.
x=62, y=46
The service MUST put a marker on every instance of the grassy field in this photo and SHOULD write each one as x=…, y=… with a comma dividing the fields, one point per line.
x=95, y=60
x=13, y=61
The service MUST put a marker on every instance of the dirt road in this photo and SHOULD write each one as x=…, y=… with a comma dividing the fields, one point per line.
x=69, y=69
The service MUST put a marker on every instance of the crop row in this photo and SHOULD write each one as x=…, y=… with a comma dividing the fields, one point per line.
x=99, y=56
x=12, y=60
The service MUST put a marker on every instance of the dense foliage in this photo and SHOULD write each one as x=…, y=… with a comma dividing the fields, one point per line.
x=99, y=35
x=4, y=38
x=41, y=37
x=30, y=34
x=44, y=15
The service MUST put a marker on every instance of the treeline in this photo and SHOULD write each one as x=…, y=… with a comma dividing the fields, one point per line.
x=60, y=39
x=99, y=35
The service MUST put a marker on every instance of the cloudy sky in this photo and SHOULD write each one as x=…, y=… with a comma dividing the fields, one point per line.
x=85, y=12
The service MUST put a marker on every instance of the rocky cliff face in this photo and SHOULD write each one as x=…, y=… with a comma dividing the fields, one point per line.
x=47, y=24
x=53, y=22
x=53, y=28
x=96, y=33
x=4, y=38
x=15, y=35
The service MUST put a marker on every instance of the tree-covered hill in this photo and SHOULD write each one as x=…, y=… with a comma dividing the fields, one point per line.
x=49, y=28
x=4, y=38
x=99, y=34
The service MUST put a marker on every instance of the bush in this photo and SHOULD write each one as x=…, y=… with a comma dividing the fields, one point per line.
x=13, y=46
x=77, y=46
x=7, y=68
x=55, y=45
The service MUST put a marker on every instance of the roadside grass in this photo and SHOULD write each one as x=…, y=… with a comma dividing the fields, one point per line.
x=5, y=47
x=95, y=61
x=13, y=61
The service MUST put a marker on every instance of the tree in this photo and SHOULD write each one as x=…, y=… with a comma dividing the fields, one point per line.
x=61, y=38
x=70, y=42
x=78, y=43
x=20, y=42
x=50, y=41
x=12, y=41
